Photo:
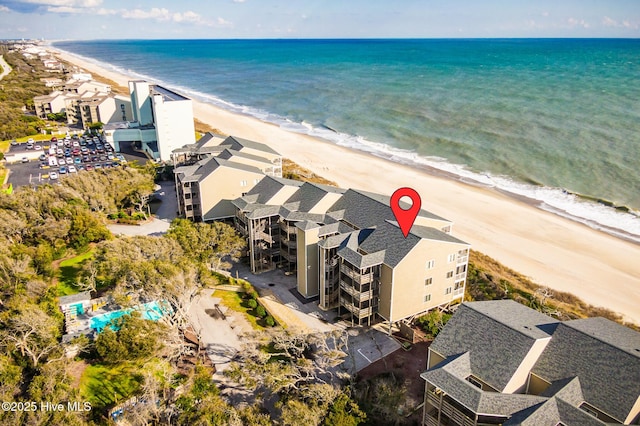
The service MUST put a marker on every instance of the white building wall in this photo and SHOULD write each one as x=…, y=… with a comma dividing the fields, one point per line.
x=174, y=124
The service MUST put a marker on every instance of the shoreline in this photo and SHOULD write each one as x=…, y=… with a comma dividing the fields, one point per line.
x=553, y=251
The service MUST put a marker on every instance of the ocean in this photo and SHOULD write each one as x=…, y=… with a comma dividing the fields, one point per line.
x=554, y=121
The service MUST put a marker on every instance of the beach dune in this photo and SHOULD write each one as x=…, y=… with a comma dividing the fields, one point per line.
x=553, y=251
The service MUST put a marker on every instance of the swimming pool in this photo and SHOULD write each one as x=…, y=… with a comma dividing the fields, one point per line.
x=150, y=311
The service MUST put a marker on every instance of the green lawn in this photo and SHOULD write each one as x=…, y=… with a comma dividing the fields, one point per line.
x=4, y=146
x=234, y=301
x=69, y=270
x=105, y=385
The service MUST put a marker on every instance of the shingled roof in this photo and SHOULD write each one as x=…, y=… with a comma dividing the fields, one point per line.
x=498, y=336
x=605, y=356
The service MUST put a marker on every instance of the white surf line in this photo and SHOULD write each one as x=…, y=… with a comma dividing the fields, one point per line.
x=365, y=357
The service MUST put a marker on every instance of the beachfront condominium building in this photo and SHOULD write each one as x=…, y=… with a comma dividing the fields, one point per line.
x=213, y=172
x=500, y=362
x=92, y=107
x=347, y=250
x=162, y=121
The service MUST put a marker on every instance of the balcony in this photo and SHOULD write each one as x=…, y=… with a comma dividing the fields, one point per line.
x=331, y=263
x=461, y=277
x=289, y=242
x=289, y=229
x=450, y=415
x=356, y=276
x=458, y=292
x=360, y=296
x=290, y=257
x=261, y=235
x=462, y=259
x=358, y=312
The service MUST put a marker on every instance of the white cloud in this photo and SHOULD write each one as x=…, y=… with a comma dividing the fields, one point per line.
x=159, y=14
x=4, y=9
x=239, y=1
x=612, y=23
x=573, y=22
x=65, y=9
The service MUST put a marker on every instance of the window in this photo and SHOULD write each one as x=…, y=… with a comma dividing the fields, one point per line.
x=458, y=285
x=450, y=274
x=243, y=183
x=427, y=298
x=189, y=208
x=428, y=281
x=431, y=264
x=187, y=196
x=255, y=181
x=451, y=258
x=447, y=290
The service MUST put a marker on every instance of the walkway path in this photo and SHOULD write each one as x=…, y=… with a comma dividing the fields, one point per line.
x=6, y=69
x=159, y=225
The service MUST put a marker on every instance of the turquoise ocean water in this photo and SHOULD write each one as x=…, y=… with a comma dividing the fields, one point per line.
x=544, y=119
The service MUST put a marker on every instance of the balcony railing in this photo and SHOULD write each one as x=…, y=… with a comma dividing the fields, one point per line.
x=261, y=235
x=461, y=276
x=291, y=257
x=330, y=263
x=458, y=292
x=463, y=259
x=359, y=312
x=357, y=277
x=360, y=296
x=287, y=228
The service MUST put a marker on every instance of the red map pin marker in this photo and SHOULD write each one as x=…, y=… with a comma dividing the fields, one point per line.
x=404, y=217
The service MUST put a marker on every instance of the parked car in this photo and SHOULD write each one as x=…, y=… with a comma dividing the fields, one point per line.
x=63, y=170
x=37, y=147
x=77, y=160
x=42, y=157
x=72, y=169
x=29, y=145
x=69, y=161
x=98, y=166
x=14, y=142
x=89, y=167
x=53, y=176
x=54, y=139
x=25, y=160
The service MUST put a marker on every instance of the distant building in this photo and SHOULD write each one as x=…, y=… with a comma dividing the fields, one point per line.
x=162, y=121
x=499, y=362
x=216, y=170
x=347, y=249
x=52, y=103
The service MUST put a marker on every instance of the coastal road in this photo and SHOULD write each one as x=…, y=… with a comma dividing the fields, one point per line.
x=6, y=69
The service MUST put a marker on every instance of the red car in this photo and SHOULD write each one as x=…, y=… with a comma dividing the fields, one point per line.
x=54, y=139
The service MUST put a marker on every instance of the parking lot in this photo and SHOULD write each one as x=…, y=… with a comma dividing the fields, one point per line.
x=49, y=161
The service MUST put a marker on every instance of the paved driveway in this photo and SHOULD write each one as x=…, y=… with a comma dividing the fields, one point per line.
x=160, y=224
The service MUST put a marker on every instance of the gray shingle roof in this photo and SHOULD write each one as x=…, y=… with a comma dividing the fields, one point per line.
x=601, y=353
x=269, y=186
x=450, y=376
x=551, y=413
x=230, y=153
x=310, y=194
x=238, y=143
x=497, y=334
x=204, y=168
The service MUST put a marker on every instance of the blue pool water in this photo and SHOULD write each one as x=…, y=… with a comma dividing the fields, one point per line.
x=150, y=311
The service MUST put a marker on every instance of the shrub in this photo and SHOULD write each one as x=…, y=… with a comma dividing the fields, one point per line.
x=269, y=321
x=260, y=311
x=252, y=303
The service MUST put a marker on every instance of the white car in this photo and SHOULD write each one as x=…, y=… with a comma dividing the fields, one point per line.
x=69, y=161
x=53, y=176
x=72, y=169
x=37, y=147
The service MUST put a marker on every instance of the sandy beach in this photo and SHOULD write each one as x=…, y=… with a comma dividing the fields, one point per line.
x=552, y=251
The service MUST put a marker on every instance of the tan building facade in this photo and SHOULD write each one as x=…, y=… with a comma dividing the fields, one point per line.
x=348, y=251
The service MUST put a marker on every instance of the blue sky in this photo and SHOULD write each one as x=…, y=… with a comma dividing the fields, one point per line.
x=112, y=19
